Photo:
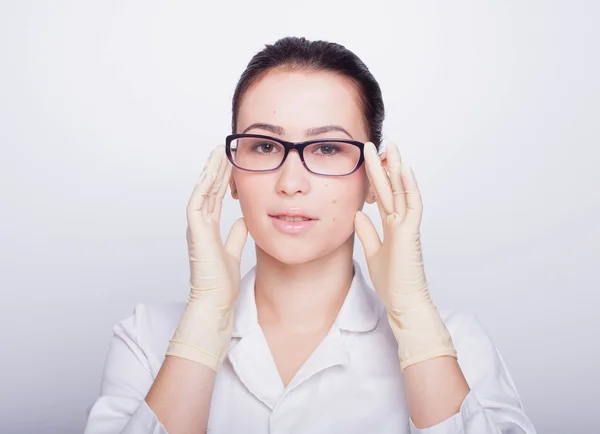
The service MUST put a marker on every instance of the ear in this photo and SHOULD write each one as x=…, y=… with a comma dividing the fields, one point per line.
x=371, y=195
x=234, y=193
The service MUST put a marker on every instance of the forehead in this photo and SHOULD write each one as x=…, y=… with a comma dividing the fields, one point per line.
x=299, y=100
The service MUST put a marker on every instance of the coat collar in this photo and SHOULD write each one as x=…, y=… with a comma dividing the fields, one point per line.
x=359, y=312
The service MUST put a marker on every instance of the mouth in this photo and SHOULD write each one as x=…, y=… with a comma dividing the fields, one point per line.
x=289, y=218
x=293, y=214
x=292, y=221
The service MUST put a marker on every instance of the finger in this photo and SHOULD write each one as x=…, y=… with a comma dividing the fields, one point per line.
x=202, y=187
x=222, y=190
x=222, y=166
x=367, y=234
x=395, y=167
x=414, y=202
x=379, y=179
x=234, y=245
x=382, y=212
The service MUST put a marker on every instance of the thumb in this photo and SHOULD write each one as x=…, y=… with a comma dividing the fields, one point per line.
x=367, y=234
x=237, y=238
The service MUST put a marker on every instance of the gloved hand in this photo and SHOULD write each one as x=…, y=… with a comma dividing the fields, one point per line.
x=396, y=264
x=205, y=329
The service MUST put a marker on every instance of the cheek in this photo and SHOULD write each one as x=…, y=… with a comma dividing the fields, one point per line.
x=250, y=199
x=342, y=202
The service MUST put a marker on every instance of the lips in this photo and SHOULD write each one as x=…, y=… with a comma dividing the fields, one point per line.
x=292, y=221
x=292, y=218
x=292, y=215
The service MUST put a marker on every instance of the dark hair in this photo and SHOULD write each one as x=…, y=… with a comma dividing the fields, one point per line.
x=299, y=53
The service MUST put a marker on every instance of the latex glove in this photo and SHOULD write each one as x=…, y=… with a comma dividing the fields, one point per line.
x=205, y=328
x=396, y=264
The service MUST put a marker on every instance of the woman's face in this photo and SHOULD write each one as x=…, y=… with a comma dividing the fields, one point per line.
x=292, y=102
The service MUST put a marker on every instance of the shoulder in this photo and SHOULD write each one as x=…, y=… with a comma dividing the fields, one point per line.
x=479, y=358
x=134, y=358
x=457, y=319
x=468, y=335
x=471, y=340
x=466, y=329
x=149, y=328
x=158, y=319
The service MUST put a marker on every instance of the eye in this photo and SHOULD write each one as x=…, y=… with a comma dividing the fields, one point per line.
x=326, y=149
x=265, y=147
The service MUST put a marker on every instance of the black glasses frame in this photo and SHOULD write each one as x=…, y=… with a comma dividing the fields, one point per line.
x=288, y=146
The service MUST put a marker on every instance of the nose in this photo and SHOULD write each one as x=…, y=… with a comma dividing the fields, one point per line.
x=292, y=176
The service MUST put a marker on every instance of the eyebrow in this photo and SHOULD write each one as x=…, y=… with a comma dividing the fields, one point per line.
x=309, y=132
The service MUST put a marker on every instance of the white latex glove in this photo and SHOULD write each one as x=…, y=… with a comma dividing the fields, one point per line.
x=205, y=329
x=396, y=264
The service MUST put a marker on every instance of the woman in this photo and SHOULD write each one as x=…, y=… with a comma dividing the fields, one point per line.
x=301, y=344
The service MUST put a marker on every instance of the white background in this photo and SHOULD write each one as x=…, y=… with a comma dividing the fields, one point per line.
x=108, y=110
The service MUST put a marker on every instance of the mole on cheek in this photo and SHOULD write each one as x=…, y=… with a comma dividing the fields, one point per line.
x=334, y=200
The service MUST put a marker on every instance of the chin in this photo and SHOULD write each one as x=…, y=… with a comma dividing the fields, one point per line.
x=292, y=250
x=292, y=253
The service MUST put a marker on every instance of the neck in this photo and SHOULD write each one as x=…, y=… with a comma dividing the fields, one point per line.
x=303, y=298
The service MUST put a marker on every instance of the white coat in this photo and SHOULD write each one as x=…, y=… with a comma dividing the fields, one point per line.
x=352, y=383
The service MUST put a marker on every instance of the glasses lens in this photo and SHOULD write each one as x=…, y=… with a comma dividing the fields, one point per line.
x=252, y=153
x=332, y=158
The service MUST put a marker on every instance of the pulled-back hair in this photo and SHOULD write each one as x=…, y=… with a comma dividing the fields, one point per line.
x=299, y=53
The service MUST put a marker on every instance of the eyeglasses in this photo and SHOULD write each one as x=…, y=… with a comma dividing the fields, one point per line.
x=327, y=157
